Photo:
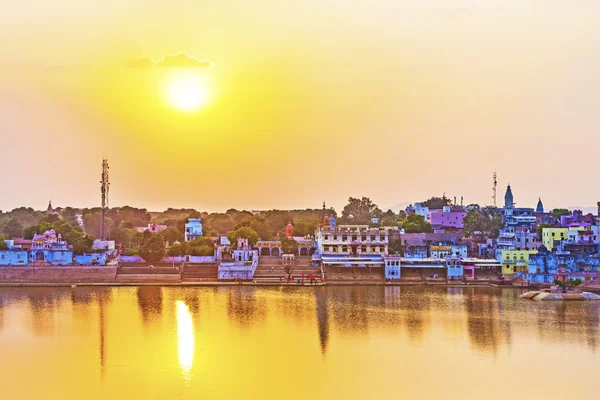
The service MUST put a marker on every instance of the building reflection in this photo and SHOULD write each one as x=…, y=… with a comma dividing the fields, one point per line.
x=244, y=307
x=322, y=317
x=43, y=303
x=150, y=303
x=486, y=333
x=1, y=314
x=185, y=339
x=349, y=309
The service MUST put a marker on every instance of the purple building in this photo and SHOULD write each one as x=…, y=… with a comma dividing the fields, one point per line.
x=447, y=219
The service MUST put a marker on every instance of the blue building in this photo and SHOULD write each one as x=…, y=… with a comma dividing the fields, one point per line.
x=14, y=257
x=455, y=268
x=193, y=229
x=392, y=268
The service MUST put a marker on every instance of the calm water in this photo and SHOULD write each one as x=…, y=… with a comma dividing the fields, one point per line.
x=294, y=343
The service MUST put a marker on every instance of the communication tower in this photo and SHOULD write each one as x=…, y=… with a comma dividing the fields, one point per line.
x=105, y=185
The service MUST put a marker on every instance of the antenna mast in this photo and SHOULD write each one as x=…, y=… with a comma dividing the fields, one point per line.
x=104, y=190
x=495, y=187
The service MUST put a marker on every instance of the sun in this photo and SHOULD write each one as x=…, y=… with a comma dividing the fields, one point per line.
x=187, y=92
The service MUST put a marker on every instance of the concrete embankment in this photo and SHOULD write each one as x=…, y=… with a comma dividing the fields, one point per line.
x=62, y=275
x=558, y=296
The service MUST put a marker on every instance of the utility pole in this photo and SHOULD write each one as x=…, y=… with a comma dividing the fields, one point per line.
x=495, y=187
x=104, y=191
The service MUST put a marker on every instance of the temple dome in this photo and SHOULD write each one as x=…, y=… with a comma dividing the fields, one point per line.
x=540, y=207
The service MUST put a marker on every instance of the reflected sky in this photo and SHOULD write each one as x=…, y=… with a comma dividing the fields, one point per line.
x=246, y=342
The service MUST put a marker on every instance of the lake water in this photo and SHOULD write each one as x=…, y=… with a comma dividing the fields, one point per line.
x=294, y=343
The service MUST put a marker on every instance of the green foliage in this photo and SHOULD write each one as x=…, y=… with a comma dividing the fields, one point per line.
x=202, y=250
x=180, y=249
x=153, y=250
x=415, y=223
x=173, y=234
x=243, y=232
x=436, y=203
x=12, y=227
x=201, y=241
x=289, y=246
x=360, y=211
x=258, y=224
x=395, y=246
x=83, y=245
x=479, y=220
x=559, y=212
x=540, y=230
x=570, y=284
x=3, y=244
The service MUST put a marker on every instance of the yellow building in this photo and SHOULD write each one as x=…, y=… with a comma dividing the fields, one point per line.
x=516, y=261
x=550, y=235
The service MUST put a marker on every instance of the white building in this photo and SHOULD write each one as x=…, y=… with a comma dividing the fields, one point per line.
x=193, y=229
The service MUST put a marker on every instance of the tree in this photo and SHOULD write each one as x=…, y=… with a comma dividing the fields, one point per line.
x=258, y=224
x=153, y=250
x=570, y=284
x=436, y=203
x=559, y=212
x=201, y=241
x=172, y=235
x=415, y=223
x=540, y=230
x=396, y=247
x=3, y=244
x=243, y=232
x=202, y=250
x=289, y=246
x=179, y=249
x=83, y=245
x=360, y=211
x=13, y=228
x=478, y=220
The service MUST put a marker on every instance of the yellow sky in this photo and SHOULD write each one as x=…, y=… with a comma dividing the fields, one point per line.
x=309, y=101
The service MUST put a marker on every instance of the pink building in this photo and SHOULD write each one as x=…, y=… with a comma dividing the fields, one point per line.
x=154, y=228
x=440, y=219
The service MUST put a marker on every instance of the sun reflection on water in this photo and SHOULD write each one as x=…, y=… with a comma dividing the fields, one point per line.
x=185, y=339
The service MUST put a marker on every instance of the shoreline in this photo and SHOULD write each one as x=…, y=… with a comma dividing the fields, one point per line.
x=234, y=284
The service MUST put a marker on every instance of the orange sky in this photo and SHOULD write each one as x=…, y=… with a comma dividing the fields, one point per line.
x=309, y=101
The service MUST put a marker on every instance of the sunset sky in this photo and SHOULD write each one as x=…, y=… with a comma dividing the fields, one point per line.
x=303, y=101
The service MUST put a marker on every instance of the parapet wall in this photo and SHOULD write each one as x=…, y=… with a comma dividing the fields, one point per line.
x=57, y=274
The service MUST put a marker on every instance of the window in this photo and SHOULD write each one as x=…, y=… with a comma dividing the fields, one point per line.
x=344, y=238
x=326, y=237
x=363, y=238
x=373, y=238
x=354, y=238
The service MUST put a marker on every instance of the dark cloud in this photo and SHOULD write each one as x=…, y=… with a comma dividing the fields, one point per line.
x=181, y=60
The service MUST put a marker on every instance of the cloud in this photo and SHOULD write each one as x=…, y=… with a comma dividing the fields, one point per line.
x=144, y=62
x=181, y=60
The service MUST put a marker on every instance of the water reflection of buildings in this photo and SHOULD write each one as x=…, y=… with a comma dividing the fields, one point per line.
x=150, y=303
x=486, y=331
x=322, y=317
x=244, y=306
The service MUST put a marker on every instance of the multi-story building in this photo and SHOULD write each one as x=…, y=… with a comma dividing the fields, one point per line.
x=518, y=238
x=552, y=235
x=193, y=229
x=515, y=261
x=351, y=246
x=447, y=218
